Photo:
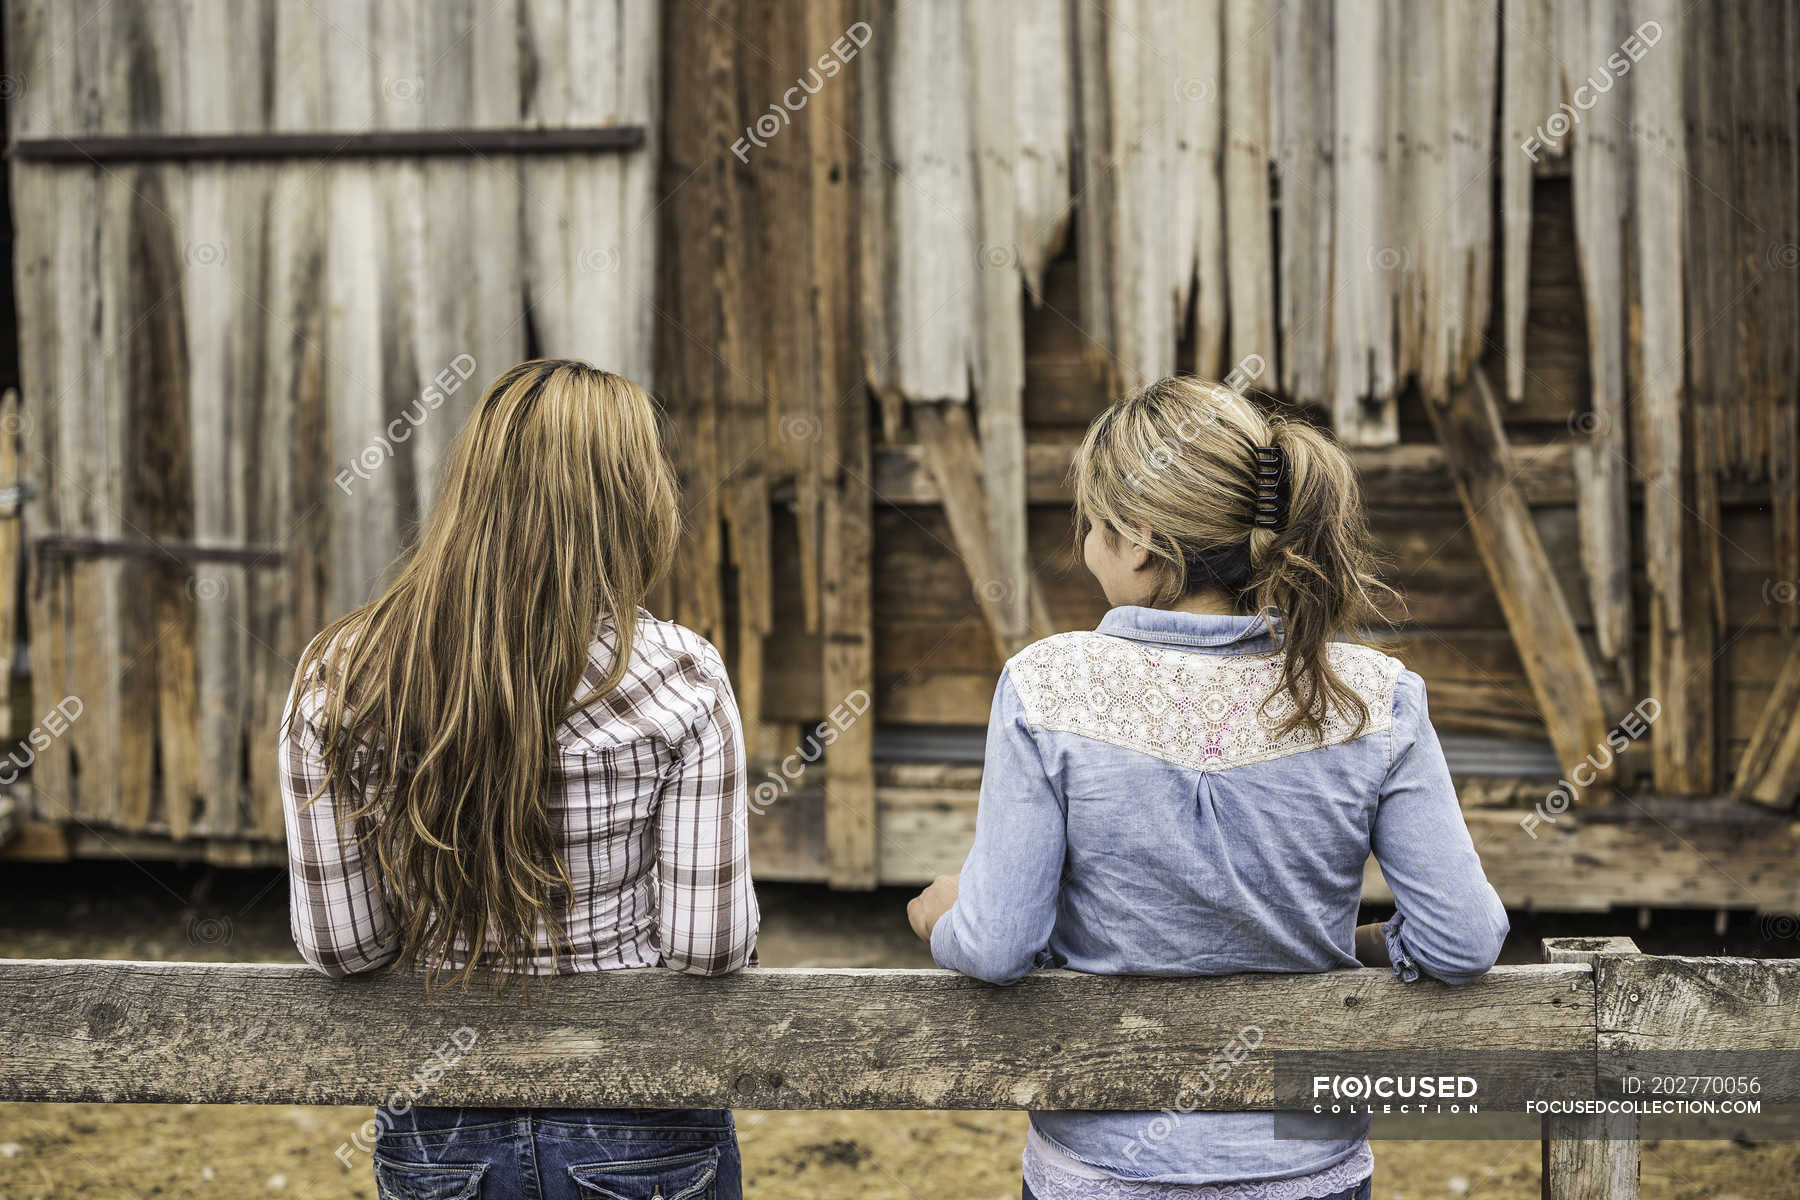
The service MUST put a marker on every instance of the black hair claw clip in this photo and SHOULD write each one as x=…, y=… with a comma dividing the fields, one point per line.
x=1271, y=488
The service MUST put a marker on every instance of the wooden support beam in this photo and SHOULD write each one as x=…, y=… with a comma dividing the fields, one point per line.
x=947, y=442
x=267, y=147
x=1537, y=613
x=1600, y=167
x=11, y=521
x=1414, y=475
x=279, y=1034
x=1769, y=771
x=1526, y=94
x=1645, y=1004
x=846, y=604
x=1590, y=1158
x=1683, y=636
x=1363, y=412
x=998, y=351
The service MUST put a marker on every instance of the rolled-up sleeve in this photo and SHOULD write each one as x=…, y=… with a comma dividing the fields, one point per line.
x=1000, y=926
x=707, y=910
x=339, y=915
x=1449, y=923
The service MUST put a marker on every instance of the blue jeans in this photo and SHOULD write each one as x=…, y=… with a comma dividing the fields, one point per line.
x=558, y=1154
x=1359, y=1192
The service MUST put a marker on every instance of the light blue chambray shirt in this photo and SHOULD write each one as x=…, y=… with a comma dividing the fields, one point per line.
x=1140, y=817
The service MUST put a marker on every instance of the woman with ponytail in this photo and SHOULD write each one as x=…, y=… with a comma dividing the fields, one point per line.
x=1194, y=787
x=502, y=766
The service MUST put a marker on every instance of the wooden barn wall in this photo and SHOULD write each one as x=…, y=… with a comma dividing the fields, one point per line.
x=1626, y=285
x=884, y=262
x=211, y=352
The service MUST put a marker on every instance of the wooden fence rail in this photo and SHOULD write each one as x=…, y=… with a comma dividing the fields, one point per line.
x=75, y=1030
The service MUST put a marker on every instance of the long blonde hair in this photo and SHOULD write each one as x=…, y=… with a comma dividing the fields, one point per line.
x=442, y=696
x=1172, y=470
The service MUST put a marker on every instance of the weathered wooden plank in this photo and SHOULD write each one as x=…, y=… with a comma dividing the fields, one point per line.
x=1201, y=120
x=1468, y=427
x=998, y=365
x=1586, y=35
x=847, y=620
x=746, y=365
x=1659, y=854
x=1710, y=70
x=1763, y=199
x=1699, y=1016
x=1415, y=228
x=787, y=311
x=1770, y=163
x=1250, y=270
x=1709, y=86
x=11, y=519
x=1586, y=949
x=146, y=258
x=932, y=289
x=1414, y=475
x=1362, y=403
x=1681, y=672
x=1527, y=98
x=72, y=448
x=1145, y=281
x=296, y=487
x=1646, y=1004
x=1042, y=101
x=226, y=227
x=953, y=459
x=1094, y=222
x=1303, y=41
x=699, y=116
x=1472, y=91
x=347, y=144
x=115, y=1031
x=1769, y=770
x=1590, y=1158
x=29, y=55
x=365, y=526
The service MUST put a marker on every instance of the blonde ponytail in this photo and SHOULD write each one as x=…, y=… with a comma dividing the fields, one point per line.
x=1172, y=469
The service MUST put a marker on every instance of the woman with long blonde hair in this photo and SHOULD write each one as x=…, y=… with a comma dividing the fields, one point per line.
x=1194, y=787
x=503, y=766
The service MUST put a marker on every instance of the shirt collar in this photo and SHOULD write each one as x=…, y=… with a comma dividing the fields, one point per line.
x=1226, y=634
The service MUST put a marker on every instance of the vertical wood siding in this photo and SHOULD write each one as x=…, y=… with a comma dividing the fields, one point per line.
x=210, y=348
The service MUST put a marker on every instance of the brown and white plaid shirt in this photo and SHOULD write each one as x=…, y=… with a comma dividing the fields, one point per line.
x=649, y=795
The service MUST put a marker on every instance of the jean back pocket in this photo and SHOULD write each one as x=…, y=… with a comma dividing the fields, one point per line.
x=677, y=1177
x=428, y=1181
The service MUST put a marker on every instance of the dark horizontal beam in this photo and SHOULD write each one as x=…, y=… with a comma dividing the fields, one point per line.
x=837, y=1039
x=398, y=143
x=67, y=546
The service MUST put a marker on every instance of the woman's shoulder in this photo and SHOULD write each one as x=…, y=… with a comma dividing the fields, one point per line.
x=663, y=643
x=672, y=681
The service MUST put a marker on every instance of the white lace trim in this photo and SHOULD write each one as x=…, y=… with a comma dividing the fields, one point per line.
x=1051, y=1182
x=1196, y=710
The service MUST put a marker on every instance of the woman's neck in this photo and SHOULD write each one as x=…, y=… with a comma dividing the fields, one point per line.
x=1208, y=602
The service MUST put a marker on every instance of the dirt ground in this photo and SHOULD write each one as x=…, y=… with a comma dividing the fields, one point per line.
x=230, y=1152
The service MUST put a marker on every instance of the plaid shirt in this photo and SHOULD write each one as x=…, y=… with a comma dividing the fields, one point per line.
x=649, y=797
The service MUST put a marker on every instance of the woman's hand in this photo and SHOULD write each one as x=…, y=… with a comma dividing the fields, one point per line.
x=925, y=908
